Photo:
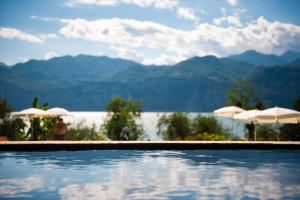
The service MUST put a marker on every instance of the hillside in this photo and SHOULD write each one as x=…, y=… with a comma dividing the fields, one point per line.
x=196, y=84
x=259, y=59
x=281, y=84
x=81, y=67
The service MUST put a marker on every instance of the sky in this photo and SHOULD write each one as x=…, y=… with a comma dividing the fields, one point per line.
x=146, y=31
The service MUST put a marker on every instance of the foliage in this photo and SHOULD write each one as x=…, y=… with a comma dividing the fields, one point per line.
x=203, y=124
x=174, y=127
x=82, y=132
x=297, y=103
x=42, y=128
x=266, y=133
x=243, y=94
x=121, y=120
x=179, y=126
x=207, y=137
x=12, y=128
x=5, y=108
x=291, y=132
x=208, y=128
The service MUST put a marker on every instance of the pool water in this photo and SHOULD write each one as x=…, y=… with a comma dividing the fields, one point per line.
x=114, y=174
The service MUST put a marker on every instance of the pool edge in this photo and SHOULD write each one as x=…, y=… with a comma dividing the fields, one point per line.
x=141, y=145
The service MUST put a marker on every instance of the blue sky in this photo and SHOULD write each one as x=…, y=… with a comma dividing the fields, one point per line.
x=147, y=31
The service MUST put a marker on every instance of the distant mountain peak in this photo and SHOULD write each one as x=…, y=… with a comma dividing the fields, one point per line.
x=260, y=59
x=2, y=64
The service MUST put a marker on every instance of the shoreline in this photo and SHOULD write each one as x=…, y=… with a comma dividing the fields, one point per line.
x=144, y=145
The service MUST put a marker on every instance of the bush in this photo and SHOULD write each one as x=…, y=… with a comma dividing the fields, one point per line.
x=82, y=132
x=174, y=127
x=178, y=126
x=120, y=123
x=207, y=137
x=13, y=129
x=290, y=132
x=203, y=124
x=266, y=133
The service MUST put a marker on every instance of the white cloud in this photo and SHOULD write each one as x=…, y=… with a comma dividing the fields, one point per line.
x=18, y=187
x=233, y=2
x=12, y=33
x=223, y=11
x=261, y=35
x=187, y=13
x=220, y=20
x=234, y=20
x=50, y=55
x=47, y=36
x=128, y=53
x=23, y=59
x=160, y=4
x=230, y=20
x=163, y=60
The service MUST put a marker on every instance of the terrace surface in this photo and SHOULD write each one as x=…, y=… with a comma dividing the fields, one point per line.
x=141, y=145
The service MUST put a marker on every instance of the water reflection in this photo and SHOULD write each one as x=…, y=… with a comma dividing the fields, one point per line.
x=201, y=174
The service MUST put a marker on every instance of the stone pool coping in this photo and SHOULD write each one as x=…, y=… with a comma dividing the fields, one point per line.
x=141, y=145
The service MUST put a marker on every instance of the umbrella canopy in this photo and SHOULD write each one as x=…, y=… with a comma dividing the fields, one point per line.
x=278, y=115
x=58, y=112
x=31, y=113
x=228, y=111
x=247, y=117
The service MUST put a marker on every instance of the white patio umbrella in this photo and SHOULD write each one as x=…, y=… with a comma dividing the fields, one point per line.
x=228, y=111
x=248, y=117
x=277, y=115
x=58, y=112
x=30, y=113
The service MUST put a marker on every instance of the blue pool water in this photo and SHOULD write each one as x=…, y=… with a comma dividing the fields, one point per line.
x=199, y=174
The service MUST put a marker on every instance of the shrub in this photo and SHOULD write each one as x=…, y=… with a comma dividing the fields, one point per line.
x=120, y=123
x=82, y=132
x=206, y=137
x=266, y=133
x=174, y=127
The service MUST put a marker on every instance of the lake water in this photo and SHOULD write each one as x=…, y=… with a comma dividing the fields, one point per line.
x=112, y=174
x=148, y=120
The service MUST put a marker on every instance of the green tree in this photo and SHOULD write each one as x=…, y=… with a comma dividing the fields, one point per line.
x=121, y=120
x=82, y=132
x=244, y=94
x=291, y=132
x=41, y=129
x=203, y=124
x=297, y=103
x=266, y=133
x=13, y=129
x=208, y=128
x=175, y=126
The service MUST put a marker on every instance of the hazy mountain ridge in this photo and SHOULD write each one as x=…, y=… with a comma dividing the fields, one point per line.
x=259, y=59
x=82, y=67
x=196, y=84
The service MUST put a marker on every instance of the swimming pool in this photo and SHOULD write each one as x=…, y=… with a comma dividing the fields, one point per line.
x=115, y=174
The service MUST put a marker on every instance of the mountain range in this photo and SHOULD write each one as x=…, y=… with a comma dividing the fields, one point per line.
x=198, y=84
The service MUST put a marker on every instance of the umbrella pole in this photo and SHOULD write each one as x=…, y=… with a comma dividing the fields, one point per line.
x=254, y=132
x=32, y=129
